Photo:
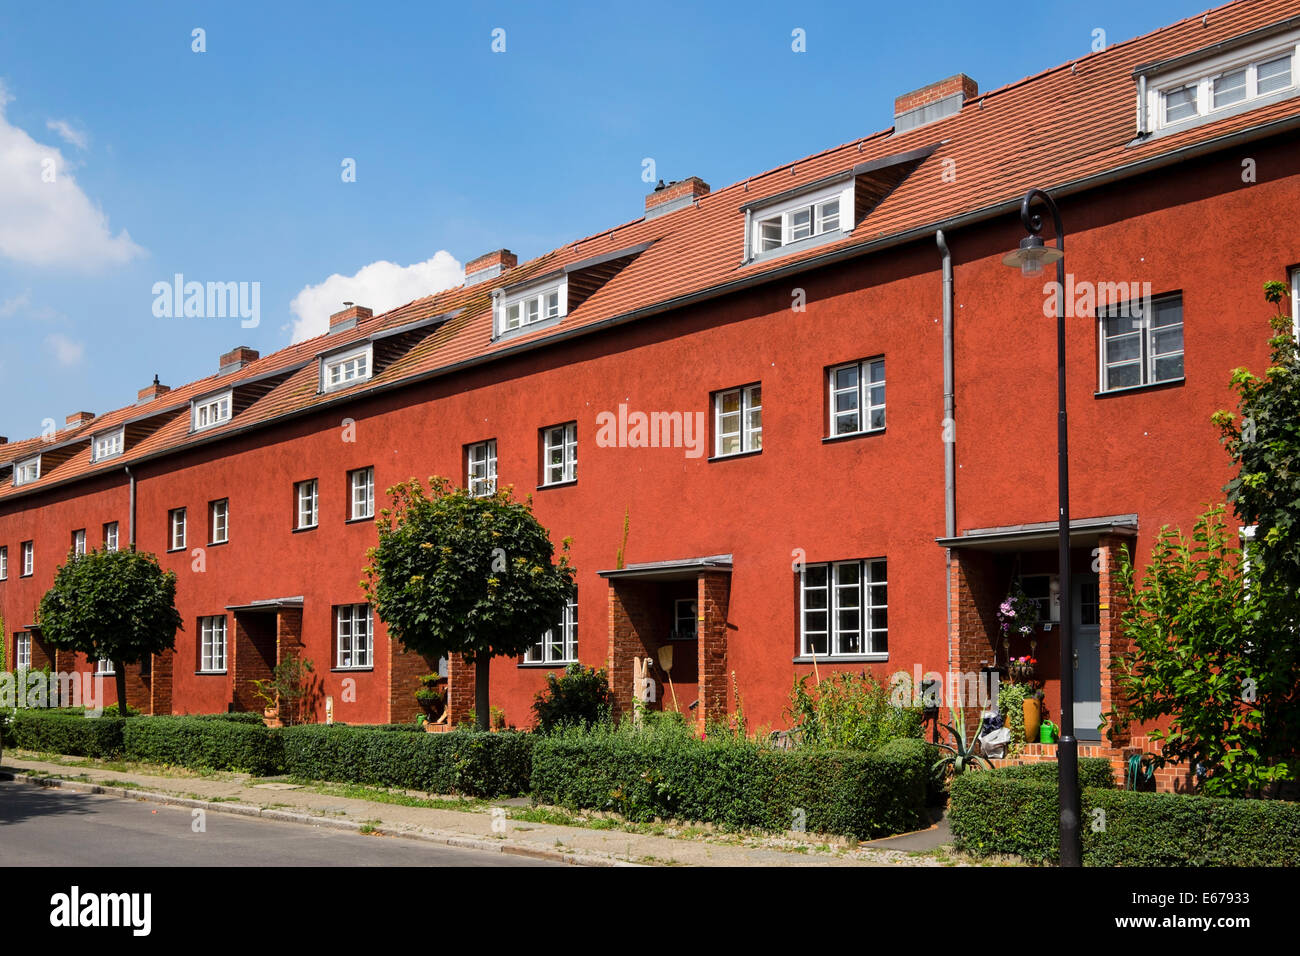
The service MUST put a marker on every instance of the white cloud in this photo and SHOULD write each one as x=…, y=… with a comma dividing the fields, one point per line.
x=66, y=351
x=68, y=133
x=11, y=307
x=50, y=223
x=379, y=286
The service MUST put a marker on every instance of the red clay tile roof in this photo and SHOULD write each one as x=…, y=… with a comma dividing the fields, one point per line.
x=1051, y=130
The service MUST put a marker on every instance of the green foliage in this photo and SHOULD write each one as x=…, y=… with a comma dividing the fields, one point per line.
x=1093, y=772
x=461, y=761
x=61, y=732
x=663, y=772
x=579, y=698
x=453, y=573
x=118, y=605
x=850, y=711
x=1207, y=655
x=234, y=716
x=958, y=756
x=1011, y=705
x=203, y=744
x=997, y=813
x=287, y=689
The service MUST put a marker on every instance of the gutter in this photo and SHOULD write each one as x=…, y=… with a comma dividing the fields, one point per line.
x=1254, y=133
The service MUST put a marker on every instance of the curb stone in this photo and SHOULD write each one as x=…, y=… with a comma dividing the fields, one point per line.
x=443, y=837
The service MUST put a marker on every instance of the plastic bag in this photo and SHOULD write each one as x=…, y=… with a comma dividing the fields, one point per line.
x=994, y=744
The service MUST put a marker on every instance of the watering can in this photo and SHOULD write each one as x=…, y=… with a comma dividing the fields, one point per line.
x=1048, y=732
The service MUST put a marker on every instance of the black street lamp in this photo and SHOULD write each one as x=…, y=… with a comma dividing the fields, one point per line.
x=1029, y=259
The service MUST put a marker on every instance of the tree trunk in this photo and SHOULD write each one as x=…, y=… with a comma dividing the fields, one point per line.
x=482, y=717
x=119, y=681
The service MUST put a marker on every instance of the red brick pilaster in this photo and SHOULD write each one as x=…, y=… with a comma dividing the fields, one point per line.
x=405, y=668
x=1113, y=642
x=631, y=636
x=976, y=594
x=713, y=595
x=460, y=689
x=160, y=682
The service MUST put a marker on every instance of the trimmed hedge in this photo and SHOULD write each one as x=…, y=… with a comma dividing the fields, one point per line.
x=736, y=784
x=996, y=813
x=68, y=733
x=461, y=761
x=1093, y=772
x=204, y=744
x=235, y=717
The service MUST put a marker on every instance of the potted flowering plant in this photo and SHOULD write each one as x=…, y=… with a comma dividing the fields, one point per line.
x=1018, y=614
x=1022, y=668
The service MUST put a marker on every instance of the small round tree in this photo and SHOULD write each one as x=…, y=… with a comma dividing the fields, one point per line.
x=475, y=576
x=116, y=605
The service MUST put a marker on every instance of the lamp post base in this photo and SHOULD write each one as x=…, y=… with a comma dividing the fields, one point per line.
x=1067, y=769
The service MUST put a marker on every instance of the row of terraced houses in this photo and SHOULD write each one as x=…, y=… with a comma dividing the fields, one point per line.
x=813, y=411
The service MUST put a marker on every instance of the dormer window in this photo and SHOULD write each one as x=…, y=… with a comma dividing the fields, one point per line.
x=1196, y=88
x=531, y=306
x=210, y=411
x=27, y=471
x=107, y=444
x=807, y=218
x=342, y=369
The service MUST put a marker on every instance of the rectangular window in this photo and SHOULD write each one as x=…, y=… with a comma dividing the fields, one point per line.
x=219, y=521
x=212, y=411
x=79, y=542
x=560, y=454
x=110, y=536
x=738, y=420
x=305, y=496
x=524, y=308
x=108, y=445
x=104, y=667
x=346, y=368
x=801, y=218
x=4, y=563
x=685, y=619
x=481, y=458
x=176, y=522
x=857, y=397
x=1139, y=348
x=844, y=609
x=355, y=634
x=1229, y=82
x=23, y=651
x=559, y=645
x=29, y=559
x=27, y=471
x=361, y=493
x=212, y=644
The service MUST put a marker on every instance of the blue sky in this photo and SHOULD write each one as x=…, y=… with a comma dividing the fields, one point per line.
x=226, y=165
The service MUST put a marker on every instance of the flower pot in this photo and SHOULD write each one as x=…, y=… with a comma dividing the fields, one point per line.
x=1033, y=718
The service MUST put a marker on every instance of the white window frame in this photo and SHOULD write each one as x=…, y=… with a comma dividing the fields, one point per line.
x=27, y=470
x=344, y=368
x=104, y=668
x=79, y=542
x=561, y=439
x=550, y=649
x=865, y=392
x=212, y=410
x=1146, y=333
x=860, y=596
x=1201, y=78
x=738, y=424
x=531, y=305
x=176, y=529
x=787, y=214
x=307, y=493
x=354, y=638
x=361, y=493
x=110, y=536
x=23, y=651
x=219, y=509
x=685, y=610
x=109, y=444
x=1295, y=303
x=481, y=456
x=29, y=559
x=4, y=562
x=212, y=644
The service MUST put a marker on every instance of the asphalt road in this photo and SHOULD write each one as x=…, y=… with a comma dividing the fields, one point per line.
x=48, y=827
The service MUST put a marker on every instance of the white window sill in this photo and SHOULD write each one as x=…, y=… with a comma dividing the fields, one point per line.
x=843, y=659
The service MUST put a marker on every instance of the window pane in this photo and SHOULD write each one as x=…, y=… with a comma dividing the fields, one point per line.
x=1180, y=104
x=846, y=377
x=1124, y=376
x=801, y=224
x=1164, y=341
x=1169, y=368
x=1124, y=348
x=1230, y=88
x=1167, y=312
x=1274, y=75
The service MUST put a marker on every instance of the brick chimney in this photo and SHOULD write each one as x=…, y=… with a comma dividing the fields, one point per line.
x=489, y=266
x=153, y=391
x=349, y=317
x=4, y=440
x=675, y=195
x=933, y=102
x=77, y=419
x=236, y=359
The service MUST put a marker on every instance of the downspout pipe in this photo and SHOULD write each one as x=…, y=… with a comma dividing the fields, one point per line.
x=949, y=431
x=130, y=524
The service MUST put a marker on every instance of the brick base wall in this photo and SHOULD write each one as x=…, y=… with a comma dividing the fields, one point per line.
x=1167, y=779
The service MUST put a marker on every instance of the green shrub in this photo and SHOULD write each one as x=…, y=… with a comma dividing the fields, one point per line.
x=68, y=733
x=666, y=773
x=993, y=813
x=578, y=699
x=1093, y=772
x=850, y=711
x=235, y=717
x=204, y=744
x=462, y=761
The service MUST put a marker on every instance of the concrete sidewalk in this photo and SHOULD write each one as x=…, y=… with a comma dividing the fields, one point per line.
x=480, y=825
